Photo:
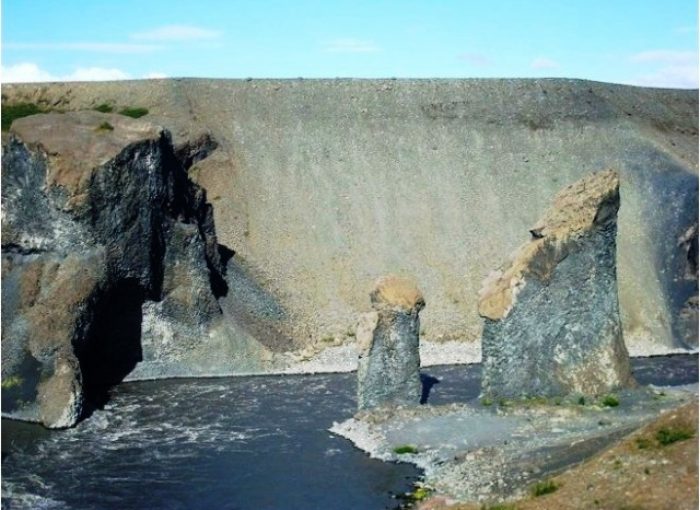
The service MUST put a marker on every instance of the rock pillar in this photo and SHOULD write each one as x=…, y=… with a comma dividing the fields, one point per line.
x=389, y=366
x=552, y=323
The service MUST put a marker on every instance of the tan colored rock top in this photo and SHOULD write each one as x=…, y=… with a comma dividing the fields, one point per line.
x=397, y=292
x=78, y=142
x=575, y=210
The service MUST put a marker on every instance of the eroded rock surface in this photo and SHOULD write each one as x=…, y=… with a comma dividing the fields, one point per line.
x=388, y=370
x=552, y=324
x=100, y=223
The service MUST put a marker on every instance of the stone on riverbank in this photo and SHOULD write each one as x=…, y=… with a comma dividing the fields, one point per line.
x=389, y=365
x=552, y=324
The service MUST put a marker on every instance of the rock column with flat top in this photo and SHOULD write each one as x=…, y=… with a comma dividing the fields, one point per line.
x=388, y=372
x=552, y=323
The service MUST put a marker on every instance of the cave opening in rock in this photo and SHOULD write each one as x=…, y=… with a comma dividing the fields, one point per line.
x=112, y=344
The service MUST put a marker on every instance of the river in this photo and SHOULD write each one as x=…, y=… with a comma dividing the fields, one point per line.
x=234, y=443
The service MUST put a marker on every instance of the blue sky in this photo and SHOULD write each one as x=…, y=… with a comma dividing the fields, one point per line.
x=641, y=42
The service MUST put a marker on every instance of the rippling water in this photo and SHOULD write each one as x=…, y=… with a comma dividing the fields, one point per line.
x=234, y=443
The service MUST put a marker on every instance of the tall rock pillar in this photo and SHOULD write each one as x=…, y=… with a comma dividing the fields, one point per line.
x=552, y=323
x=388, y=372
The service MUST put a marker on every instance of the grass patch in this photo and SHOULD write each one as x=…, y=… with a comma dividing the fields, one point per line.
x=486, y=401
x=610, y=401
x=328, y=339
x=11, y=382
x=12, y=112
x=669, y=435
x=542, y=488
x=134, y=113
x=105, y=126
x=498, y=506
x=404, y=449
x=104, y=108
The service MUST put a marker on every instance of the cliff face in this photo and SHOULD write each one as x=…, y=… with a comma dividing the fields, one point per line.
x=322, y=186
x=103, y=235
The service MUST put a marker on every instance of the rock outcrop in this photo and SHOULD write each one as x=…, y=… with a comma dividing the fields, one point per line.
x=388, y=371
x=101, y=229
x=552, y=324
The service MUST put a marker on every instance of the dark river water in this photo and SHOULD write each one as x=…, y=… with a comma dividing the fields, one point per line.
x=232, y=443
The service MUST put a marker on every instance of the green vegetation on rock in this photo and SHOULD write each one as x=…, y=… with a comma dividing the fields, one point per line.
x=670, y=435
x=11, y=382
x=105, y=126
x=12, y=112
x=134, y=113
x=610, y=401
x=104, y=108
x=545, y=487
x=404, y=449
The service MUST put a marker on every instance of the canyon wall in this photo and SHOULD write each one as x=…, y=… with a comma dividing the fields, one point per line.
x=321, y=186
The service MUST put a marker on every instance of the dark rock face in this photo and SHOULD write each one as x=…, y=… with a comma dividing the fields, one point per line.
x=388, y=372
x=552, y=324
x=99, y=225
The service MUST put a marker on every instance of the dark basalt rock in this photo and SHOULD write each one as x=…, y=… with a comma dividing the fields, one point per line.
x=99, y=225
x=552, y=324
x=388, y=370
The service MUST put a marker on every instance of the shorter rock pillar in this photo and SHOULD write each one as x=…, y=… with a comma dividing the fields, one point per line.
x=388, y=371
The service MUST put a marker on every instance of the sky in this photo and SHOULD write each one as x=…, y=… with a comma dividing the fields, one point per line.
x=639, y=42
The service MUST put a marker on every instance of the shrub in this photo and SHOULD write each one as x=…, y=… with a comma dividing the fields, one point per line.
x=542, y=488
x=134, y=113
x=104, y=108
x=12, y=112
x=105, y=126
x=610, y=401
x=670, y=435
x=404, y=449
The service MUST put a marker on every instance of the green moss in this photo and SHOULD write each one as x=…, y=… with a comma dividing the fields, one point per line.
x=134, y=113
x=486, y=401
x=11, y=382
x=328, y=339
x=104, y=108
x=610, y=401
x=545, y=487
x=670, y=435
x=105, y=126
x=404, y=449
x=12, y=112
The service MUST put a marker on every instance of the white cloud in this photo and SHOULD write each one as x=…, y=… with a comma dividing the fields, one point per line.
x=24, y=72
x=349, y=45
x=665, y=57
x=667, y=68
x=675, y=77
x=28, y=72
x=475, y=59
x=177, y=33
x=544, y=63
x=87, y=46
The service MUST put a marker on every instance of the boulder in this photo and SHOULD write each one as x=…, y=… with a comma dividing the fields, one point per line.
x=388, y=370
x=100, y=222
x=552, y=324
